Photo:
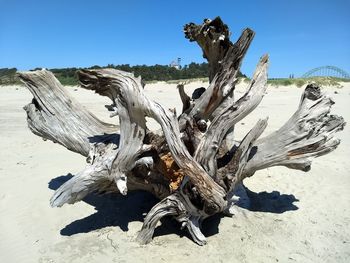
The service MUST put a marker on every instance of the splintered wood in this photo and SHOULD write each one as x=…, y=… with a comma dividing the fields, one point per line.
x=171, y=171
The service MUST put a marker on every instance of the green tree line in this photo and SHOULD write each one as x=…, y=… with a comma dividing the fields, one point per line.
x=67, y=76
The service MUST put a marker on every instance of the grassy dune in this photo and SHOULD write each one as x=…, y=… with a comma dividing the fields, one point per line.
x=299, y=82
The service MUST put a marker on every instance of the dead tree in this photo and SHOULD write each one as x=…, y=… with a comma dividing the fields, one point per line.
x=187, y=164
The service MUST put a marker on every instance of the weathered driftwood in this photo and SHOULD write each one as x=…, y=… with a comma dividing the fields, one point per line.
x=52, y=107
x=187, y=165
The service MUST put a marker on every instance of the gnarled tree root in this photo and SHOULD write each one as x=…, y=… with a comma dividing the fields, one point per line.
x=187, y=164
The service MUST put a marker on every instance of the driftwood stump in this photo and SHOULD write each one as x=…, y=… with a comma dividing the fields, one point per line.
x=187, y=165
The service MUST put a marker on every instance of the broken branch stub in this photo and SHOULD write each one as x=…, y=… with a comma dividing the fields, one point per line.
x=179, y=165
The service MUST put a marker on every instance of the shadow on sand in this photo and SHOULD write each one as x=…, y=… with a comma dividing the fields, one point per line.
x=118, y=210
x=273, y=202
x=111, y=209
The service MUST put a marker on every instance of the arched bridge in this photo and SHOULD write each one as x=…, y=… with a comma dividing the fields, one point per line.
x=327, y=71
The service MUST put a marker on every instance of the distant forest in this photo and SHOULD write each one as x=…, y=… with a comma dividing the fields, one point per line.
x=67, y=76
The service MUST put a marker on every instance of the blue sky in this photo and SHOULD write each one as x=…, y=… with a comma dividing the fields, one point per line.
x=299, y=35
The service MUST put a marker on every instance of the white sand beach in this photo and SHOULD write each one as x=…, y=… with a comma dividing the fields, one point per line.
x=295, y=216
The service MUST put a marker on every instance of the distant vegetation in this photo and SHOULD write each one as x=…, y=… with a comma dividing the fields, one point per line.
x=8, y=76
x=193, y=71
x=67, y=76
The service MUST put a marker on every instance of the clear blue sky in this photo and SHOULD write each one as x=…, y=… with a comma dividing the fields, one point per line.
x=299, y=35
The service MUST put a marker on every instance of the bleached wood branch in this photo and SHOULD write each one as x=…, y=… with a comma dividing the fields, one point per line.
x=54, y=115
x=212, y=140
x=224, y=80
x=179, y=206
x=185, y=99
x=309, y=133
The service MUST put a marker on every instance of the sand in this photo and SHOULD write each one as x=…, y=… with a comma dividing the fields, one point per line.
x=295, y=217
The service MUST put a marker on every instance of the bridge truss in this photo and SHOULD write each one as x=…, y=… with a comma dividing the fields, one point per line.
x=327, y=71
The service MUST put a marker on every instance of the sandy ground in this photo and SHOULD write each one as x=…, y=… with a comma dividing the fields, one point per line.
x=302, y=217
